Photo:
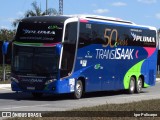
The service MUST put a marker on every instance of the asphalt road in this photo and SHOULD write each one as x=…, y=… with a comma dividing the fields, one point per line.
x=11, y=101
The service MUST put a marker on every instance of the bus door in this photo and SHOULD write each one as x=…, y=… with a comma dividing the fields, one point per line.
x=69, y=48
x=86, y=58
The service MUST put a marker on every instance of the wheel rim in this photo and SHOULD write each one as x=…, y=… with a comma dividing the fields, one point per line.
x=78, y=89
x=132, y=85
x=139, y=85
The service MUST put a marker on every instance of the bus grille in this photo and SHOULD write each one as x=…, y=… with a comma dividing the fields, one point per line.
x=36, y=83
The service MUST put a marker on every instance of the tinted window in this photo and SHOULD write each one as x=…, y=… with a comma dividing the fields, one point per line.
x=115, y=35
x=39, y=32
x=85, y=33
x=35, y=60
x=69, y=48
x=71, y=33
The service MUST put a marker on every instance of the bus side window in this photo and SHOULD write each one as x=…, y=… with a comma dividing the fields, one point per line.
x=71, y=33
x=91, y=35
x=98, y=34
x=85, y=34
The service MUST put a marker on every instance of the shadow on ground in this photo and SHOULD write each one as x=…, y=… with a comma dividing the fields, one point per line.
x=49, y=97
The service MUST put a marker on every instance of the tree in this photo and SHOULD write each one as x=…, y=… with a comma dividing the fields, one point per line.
x=36, y=12
x=7, y=34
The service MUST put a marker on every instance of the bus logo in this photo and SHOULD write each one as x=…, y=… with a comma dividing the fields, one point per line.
x=142, y=38
x=98, y=66
x=88, y=55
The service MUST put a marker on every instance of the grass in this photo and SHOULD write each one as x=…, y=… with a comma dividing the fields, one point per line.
x=98, y=112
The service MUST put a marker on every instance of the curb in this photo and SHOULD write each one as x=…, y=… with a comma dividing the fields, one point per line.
x=5, y=85
x=157, y=79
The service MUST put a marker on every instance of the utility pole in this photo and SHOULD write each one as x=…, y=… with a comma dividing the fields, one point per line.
x=158, y=38
x=4, y=52
x=46, y=7
x=4, y=68
x=60, y=7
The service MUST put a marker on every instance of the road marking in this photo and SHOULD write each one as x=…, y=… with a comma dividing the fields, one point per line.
x=26, y=106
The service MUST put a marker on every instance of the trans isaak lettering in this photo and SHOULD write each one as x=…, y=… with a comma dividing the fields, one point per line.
x=117, y=53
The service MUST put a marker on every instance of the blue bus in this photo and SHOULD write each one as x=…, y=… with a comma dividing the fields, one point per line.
x=85, y=53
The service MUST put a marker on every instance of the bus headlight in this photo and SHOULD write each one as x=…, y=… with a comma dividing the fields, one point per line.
x=50, y=81
x=14, y=79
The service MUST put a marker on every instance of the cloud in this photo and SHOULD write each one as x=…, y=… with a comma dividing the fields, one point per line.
x=147, y=1
x=20, y=13
x=11, y=19
x=4, y=27
x=5, y=20
x=158, y=15
x=119, y=4
x=101, y=11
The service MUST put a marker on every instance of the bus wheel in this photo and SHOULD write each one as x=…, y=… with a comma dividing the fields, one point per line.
x=37, y=95
x=131, y=85
x=78, y=90
x=139, y=85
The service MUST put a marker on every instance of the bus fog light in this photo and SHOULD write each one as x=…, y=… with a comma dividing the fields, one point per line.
x=50, y=81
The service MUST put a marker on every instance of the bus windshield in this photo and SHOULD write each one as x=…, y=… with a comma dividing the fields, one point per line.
x=39, y=32
x=35, y=60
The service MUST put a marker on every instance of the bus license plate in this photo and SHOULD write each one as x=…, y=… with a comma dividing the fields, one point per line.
x=30, y=88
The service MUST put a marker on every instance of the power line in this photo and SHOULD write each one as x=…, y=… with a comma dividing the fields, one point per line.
x=46, y=7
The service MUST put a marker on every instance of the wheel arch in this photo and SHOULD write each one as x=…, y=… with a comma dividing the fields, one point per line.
x=134, y=76
x=142, y=77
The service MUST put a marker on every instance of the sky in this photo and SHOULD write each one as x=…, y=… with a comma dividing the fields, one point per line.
x=142, y=12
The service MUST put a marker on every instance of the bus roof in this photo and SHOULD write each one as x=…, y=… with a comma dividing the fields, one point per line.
x=97, y=17
x=62, y=18
x=45, y=19
x=112, y=20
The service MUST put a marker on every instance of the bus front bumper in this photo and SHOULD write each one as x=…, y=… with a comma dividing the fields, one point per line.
x=56, y=87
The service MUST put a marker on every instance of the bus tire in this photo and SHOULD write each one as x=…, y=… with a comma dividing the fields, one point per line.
x=78, y=90
x=139, y=85
x=37, y=95
x=131, y=89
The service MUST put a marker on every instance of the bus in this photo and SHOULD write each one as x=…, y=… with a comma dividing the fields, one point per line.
x=82, y=53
